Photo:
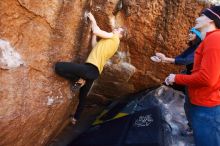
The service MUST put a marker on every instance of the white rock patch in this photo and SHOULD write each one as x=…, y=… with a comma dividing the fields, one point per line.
x=9, y=58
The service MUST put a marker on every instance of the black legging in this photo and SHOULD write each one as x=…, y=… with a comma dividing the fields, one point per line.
x=74, y=72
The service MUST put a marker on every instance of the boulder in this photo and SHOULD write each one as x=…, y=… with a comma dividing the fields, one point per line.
x=34, y=102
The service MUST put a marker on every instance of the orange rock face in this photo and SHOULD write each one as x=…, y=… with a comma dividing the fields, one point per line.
x=34, y=102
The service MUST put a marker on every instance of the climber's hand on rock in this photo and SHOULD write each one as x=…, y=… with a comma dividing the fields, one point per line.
x=91, y=17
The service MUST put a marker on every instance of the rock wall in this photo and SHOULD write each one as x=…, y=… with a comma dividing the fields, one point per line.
x=34, y=102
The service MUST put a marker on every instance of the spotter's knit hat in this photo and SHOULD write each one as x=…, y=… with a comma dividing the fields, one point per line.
x=195, y=31
x=213, y=13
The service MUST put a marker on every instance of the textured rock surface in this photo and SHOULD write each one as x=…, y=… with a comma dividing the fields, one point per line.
x=34, y=102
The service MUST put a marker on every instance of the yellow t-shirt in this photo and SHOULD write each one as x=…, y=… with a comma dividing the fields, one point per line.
x=103, y=50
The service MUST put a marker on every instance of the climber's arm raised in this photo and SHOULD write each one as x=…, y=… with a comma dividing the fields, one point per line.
x=96, y=30
x=94, y=40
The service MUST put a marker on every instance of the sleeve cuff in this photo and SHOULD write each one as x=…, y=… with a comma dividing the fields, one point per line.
x=177, y=78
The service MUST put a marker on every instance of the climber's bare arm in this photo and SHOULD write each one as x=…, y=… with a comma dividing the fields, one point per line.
x=96, y=30
x=94, y=40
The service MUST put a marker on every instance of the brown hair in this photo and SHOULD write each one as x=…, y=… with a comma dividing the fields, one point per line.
x=123, y=31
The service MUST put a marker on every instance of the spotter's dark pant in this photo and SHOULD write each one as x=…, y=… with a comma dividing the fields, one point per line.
x=73, y=72
x=206, y=125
